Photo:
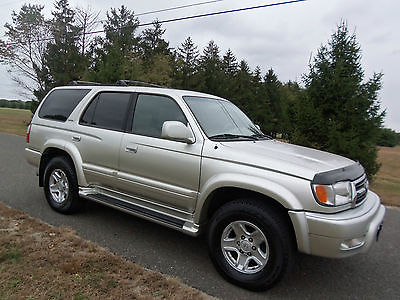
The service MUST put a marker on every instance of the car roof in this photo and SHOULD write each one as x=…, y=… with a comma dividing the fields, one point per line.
x=142, y=89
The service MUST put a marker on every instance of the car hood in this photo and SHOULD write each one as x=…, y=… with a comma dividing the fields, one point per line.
x=283, y=157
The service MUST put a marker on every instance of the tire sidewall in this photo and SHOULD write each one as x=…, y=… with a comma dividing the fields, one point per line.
x=273, y=271
x=62, y=164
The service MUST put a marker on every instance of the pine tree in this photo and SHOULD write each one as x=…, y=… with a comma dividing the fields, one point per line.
x=272, y=89
x=341, y=112
x=116, y=56
x=152, y=42
x=63, y=59
x=210, y=71
x=186, y=65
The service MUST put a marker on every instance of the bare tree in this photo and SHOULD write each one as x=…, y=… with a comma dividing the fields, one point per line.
x=24, y=49
x=86, y=20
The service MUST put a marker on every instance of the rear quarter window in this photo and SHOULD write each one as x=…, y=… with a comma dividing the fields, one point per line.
x=59, y=104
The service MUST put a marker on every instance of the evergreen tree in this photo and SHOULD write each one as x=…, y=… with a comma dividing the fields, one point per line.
x=186, y=65
x=152, y=43
x=341, y=113
x=116, y=56
x=63, y=59
x=210, y=72
x=156, y=56
x=272, y=88
x=229, y=66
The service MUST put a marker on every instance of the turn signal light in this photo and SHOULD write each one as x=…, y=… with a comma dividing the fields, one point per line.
x=321, y=193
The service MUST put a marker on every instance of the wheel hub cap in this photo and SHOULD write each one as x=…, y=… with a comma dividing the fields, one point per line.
x=245, y=247
x=58, y=185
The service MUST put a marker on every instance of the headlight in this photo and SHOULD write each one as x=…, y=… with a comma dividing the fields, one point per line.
x=336, y=194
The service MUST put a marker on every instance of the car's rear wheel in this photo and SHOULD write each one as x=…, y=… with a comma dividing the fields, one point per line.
x=61, y=186
x=250, y=244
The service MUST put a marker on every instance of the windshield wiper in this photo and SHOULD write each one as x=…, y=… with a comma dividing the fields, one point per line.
x=228, y=136
x=262, y=136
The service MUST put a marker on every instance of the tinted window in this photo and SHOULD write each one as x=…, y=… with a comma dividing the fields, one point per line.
x=152, y=111
x=107, y=110
x=89, y=112
x=220, y=117
x=60, y=103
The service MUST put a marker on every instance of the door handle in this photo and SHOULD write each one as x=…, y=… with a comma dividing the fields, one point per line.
x=76, y=138
x=132, y=149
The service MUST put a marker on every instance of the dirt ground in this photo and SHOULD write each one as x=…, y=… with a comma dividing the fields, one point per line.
x=39, y=261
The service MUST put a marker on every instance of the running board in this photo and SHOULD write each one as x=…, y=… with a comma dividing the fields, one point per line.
x=175, y=223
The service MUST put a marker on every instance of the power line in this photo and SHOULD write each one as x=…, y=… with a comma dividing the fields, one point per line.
x=174, y=8
x=190, y=17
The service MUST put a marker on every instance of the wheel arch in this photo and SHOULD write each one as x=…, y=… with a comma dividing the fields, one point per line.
x=54, y=151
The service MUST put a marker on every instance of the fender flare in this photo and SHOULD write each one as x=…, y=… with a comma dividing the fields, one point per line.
x=259, y=185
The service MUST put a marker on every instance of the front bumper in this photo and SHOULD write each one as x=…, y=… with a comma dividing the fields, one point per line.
x=340, y=234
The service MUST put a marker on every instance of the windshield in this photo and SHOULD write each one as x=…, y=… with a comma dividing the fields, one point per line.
x=221, y=119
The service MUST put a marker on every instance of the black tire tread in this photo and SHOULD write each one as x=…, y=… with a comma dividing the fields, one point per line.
x=74, y=203
x=265, y=213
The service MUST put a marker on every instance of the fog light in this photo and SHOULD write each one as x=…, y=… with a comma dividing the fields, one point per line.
x=352, y=243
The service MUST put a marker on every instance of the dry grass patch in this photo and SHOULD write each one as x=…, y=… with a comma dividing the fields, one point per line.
x=387, y=181
x=39, y=261
x=14, y=120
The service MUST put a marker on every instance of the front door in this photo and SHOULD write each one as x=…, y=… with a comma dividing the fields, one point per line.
x=162, y=171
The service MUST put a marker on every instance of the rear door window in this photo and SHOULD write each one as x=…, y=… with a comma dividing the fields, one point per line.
x=59, y=104
x=108, y=110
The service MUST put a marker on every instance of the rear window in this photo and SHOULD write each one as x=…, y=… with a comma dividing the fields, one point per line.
x=60, y=103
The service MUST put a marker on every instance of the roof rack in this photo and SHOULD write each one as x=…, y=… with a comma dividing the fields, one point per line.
x=80, y=82
x=121, y=82
x=136, y=82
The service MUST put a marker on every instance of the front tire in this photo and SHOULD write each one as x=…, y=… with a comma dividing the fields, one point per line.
x=250, y=244
x=61, y=186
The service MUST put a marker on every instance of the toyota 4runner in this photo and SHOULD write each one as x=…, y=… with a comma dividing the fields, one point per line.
x=196, y=163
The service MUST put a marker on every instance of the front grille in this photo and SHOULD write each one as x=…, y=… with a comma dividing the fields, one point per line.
x=361, y=185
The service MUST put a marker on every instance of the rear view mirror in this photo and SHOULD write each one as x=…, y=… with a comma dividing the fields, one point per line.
x=177, y=131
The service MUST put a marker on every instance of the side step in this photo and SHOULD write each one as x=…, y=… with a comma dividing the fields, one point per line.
x=137, y=210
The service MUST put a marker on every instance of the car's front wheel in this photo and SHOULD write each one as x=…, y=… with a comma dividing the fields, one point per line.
x=250, y=244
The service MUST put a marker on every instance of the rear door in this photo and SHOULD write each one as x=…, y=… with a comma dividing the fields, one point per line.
x=162, y=171
x=99, y=133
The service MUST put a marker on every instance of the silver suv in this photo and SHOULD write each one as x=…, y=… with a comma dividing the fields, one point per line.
x=196, y=163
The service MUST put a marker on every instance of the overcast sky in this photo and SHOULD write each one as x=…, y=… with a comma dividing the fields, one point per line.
x=282, y=38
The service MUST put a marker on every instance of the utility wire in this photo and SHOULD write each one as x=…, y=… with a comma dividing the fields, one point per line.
x=188, y=17
x=174, y=8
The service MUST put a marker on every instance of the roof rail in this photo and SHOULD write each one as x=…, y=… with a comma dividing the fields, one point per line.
x=136, y=82
x=80, y=82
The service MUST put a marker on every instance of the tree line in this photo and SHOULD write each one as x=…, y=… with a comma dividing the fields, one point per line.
x=15, y=104
x=334, y=108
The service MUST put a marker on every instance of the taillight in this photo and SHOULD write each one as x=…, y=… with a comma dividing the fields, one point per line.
x=28, y=132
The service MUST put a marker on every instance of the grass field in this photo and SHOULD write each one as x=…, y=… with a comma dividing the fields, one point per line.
x=14, y=120
x=387, y=181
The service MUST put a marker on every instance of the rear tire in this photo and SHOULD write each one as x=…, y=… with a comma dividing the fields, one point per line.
x=61, y=186
x=250, y=244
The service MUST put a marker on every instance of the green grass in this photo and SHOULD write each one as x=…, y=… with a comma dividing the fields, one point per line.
x=12, y=255
x=14, y=120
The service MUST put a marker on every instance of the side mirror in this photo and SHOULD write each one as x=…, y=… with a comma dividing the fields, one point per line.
x=258, y=127
x=177, y=131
